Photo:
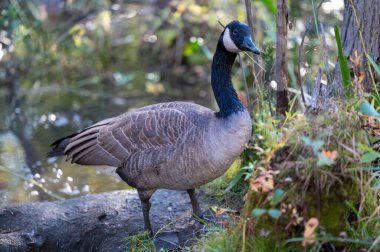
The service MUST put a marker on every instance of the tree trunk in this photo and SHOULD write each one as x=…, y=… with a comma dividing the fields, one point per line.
x=281, y=57
x=99, y=222
x=368, y=14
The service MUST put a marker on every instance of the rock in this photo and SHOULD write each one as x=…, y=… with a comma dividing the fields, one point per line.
x=99, y=222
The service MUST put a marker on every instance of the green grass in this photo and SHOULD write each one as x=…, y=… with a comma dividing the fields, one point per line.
x=217, y=240
x=344, y=70
x=140, y=243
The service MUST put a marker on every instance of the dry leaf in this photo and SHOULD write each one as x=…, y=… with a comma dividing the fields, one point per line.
x=220, y=211
x=264, y=183
x=332, y=155
x=154, y=88
x=295, y=219
x=310, y=227
x=356, y=59
x=245, y=197
x=376, y=132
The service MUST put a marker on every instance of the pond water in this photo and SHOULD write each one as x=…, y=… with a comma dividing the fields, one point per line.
x=58, y=100
x=25, y=173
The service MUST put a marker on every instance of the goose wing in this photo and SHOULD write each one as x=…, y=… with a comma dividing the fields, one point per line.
x=112, y=141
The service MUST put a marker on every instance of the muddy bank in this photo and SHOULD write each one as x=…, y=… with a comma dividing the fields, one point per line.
x=91, y=223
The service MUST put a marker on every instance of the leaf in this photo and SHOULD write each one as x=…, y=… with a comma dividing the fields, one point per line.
x=364, y=148
x=277, y=197
x=263, y=184
x=369, y=157
x=306, y=140
x=271, y=6
x=236, y=179
x=327, y=157
x=123, y=79
x=375, y=139
x=367, y=109
x=374, y=65
x=332, y=155
x=324, y=161
x=355, y=59
x=258, y=212
x=274, y=213
x=309, y=232
x=317, y=145
x=344, y=70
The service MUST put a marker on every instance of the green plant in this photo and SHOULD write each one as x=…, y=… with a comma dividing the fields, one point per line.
x=140, y=243
x=374, y=65
x=344, y=70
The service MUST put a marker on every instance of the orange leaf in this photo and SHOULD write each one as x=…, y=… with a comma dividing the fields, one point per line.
x=264, y=183
x=332, y=155
x=355, y=59
x=310, y=227
x=245, y=197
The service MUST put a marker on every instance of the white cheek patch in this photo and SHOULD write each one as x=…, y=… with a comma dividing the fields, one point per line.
x=228, y=43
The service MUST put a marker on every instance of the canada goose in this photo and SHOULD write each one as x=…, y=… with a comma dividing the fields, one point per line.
x=173, y=145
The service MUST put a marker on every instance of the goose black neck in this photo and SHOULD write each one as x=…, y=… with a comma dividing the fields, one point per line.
x=224, y=92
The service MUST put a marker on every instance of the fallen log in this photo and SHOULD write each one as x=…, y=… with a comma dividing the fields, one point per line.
x=99, y=222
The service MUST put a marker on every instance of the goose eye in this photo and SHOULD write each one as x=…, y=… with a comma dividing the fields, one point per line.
x=234, y=32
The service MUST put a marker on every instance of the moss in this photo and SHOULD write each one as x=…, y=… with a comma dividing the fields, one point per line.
x=218, y=239
x=314, y=190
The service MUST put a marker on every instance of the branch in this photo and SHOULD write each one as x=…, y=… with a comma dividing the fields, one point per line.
x=298, y=74
x=281, y=57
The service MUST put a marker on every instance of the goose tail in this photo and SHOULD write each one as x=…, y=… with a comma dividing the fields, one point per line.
x=59, y=146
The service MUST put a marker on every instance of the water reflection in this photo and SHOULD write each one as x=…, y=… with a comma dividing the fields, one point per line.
x=58, y=179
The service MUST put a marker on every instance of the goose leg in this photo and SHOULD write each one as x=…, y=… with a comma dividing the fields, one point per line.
x=195, y=204
x=145, y=205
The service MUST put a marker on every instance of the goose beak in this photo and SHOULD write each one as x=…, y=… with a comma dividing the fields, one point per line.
x=249, y=46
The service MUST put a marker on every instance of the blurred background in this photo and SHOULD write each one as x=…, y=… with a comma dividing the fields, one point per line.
x=66, y=64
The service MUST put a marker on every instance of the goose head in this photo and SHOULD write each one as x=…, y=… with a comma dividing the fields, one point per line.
x=237, y=38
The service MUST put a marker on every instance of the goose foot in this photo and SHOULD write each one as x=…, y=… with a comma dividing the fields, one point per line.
x=145, y=205
x=197, y=211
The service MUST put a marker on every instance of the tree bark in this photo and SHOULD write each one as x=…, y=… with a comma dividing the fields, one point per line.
x=91, y=223
x=281, y=57
x=368, y=14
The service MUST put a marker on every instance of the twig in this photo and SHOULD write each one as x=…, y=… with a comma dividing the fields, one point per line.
x=255, y=62
x=317, y=88
x=187, y=214
x=325, y=51
x=281, y=72
x=298, y=75
x=248, y=9
x=363, y=45
x=245, y=83
x=244, y=235
x=221, y=24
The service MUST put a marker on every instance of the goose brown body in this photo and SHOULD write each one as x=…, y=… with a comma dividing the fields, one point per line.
x=174, y=145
